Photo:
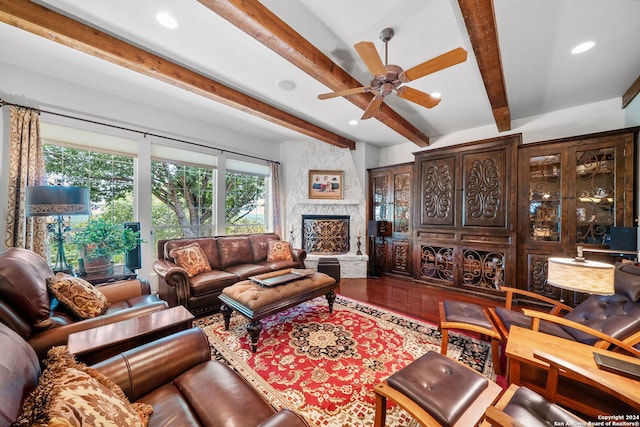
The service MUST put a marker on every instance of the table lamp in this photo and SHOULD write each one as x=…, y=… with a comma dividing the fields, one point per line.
x=580, y=275
x=59, y=201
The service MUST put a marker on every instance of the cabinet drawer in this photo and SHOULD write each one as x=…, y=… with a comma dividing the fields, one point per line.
x=425, y=235
x=486, y=239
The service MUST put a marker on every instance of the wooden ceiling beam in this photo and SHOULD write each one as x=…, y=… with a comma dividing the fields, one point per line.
x=51, y=25
x=631, y=93
x=479, y=18
x=260, y=23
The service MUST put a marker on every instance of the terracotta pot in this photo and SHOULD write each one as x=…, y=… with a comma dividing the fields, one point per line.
x=100, y=265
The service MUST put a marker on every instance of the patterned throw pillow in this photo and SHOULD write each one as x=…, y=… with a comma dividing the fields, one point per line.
x=279, y=250
x=78, y=295
x=70, y=393
x=192, y=258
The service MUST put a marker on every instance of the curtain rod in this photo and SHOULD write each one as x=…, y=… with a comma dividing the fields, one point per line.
x=222, y=151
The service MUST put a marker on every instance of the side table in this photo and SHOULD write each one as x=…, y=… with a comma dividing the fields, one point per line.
x=96, y=344
x=573, y=391
x=120, y=272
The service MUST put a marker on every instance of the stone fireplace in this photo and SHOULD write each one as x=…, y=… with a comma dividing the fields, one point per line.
x=335, y=226
x=325, y=234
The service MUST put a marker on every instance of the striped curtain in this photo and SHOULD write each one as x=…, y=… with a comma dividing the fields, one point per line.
x=26, y=167
x=276, y=209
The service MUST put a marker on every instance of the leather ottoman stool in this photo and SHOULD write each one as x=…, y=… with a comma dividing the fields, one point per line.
x=437, y=391
x=468, y=317
x=330, y=267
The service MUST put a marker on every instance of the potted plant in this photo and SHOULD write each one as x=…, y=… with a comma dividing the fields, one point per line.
x=99, y=241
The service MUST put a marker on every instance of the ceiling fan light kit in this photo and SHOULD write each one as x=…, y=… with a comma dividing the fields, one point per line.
x=388, y=78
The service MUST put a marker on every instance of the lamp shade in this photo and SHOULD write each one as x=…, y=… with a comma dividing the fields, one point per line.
x=582, y=276
x=49, y=200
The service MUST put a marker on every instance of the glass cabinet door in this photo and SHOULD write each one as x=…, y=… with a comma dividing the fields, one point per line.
x=595, y=194
x=401, y=202
x=545, y=196
x=381, y=198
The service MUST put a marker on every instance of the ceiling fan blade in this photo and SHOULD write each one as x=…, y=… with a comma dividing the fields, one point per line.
x=438, y=63
x=417, y=96
x=345, y=92
x=370, y=57
x=372, y=108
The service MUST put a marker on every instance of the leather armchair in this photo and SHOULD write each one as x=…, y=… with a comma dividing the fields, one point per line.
x=601, y=320
x=26, y=307
x=177, y=377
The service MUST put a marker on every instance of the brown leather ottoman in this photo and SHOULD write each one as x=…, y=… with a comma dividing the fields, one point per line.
x=256, y=302
x=437, y=391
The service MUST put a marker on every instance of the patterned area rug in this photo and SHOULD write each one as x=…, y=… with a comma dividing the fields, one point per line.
x=324, y=366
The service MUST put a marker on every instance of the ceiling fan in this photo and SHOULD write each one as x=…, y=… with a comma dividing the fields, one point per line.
x=388, y=78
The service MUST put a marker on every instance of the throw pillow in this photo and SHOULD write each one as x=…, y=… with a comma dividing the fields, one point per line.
x=192, y=258
x=279, y=250
x=78, y=295
x=70, y=393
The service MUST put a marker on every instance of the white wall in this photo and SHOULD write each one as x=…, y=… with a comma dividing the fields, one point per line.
x=589, y=118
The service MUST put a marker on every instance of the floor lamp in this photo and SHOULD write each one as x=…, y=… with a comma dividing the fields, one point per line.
x=58, y=201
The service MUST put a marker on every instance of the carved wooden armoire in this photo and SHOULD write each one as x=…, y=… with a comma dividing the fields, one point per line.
x=464, y=209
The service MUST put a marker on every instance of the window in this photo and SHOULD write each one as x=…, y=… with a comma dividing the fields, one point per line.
x=108, y=176
x=183, y=200
x=245, y=203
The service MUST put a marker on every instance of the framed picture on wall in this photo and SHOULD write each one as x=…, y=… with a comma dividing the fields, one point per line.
x=325, y=184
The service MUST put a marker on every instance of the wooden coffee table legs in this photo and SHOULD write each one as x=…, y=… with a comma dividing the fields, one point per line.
x=254, y=327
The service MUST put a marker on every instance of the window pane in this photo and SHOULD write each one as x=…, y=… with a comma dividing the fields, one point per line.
x=182, y=204
x=110, y=181
x=245, y=203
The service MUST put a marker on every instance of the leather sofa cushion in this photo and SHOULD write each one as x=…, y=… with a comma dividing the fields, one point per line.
x=244, y=271
x=211, y=393
x=234, y=250
x=211, y=281
x=260, y=245
x=615, y=315
x=207, y=244
x=23, y=284
x=532, y=410
x=627, y=280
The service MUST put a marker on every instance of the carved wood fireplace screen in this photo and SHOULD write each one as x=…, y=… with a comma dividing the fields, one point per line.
x=325, y=234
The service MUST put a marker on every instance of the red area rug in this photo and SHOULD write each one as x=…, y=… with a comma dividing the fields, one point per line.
x=324, y=366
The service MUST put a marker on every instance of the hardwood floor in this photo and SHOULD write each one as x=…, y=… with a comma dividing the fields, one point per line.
x=405, y=296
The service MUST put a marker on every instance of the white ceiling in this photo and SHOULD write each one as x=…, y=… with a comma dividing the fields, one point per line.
x=535, y=38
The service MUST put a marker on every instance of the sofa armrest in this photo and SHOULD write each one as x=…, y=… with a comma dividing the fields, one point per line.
x=43, y=341
x=299, y=255
x=284, y=418
x=140, y=370
x=124, y=290
x=167, y=270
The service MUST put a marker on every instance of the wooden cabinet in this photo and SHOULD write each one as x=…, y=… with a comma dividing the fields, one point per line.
x=390, y=200
x=571, y=192
x=465, y=214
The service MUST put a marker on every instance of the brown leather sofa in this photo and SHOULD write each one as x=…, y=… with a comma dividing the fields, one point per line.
x=174, y=374
x=232, y=259
x=27, y=308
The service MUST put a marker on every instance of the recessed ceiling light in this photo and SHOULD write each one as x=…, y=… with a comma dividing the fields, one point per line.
x=353, y=122
x=436, y=95
x=166, y=20
x=286, y=85
x=583, y=47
